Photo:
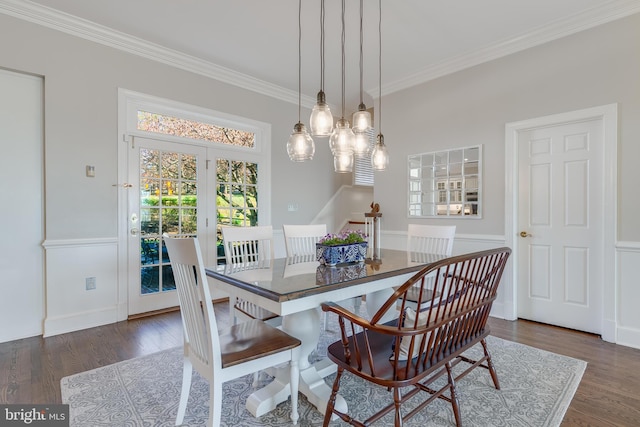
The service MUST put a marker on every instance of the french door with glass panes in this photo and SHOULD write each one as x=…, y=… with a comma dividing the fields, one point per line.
x=173, y=191
x=167, y=194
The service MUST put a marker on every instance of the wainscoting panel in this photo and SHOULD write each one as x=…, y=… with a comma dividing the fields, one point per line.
x=70, y=306
x=628, y=295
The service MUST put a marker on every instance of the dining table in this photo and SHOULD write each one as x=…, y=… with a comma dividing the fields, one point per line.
x=294, y=288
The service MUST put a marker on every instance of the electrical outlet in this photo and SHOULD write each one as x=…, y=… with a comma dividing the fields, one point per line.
x=90, y=283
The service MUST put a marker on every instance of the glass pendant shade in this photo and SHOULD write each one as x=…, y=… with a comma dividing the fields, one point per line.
x=343, y=162
x=361, y=119
x=300, y=145
x=361, y=144
x=342, y=138
x=379, y=156
x=321, y=120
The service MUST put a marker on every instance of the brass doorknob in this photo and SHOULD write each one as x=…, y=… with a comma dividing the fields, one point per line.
x=524, y=234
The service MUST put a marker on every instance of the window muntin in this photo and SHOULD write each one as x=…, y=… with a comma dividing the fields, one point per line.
x=445, y=183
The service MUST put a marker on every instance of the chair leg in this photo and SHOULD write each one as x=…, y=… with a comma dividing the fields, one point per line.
x=324, y=319
x=492, y=369
x=294, y=381
x=357, y=303
x=215, y=403
x=332, y=399
x=187, y=370
x=454, y=396
x=397, y=400
x=256, y=379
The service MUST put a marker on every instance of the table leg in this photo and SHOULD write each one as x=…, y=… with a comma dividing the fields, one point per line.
x=375, y=300
x=305, y=326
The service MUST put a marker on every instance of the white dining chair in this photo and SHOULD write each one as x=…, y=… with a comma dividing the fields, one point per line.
x=430, y=239
x=300, y=242
x=220, y=356
x=424, y=241
x=247, y=245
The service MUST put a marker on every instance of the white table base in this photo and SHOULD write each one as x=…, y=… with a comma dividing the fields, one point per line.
x=304, y=325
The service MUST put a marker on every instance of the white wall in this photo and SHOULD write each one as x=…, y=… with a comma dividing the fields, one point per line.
x=596, y=67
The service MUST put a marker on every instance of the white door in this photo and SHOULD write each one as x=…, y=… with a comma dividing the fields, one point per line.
x=167, y=194
x=560, y=225
x=21, y=187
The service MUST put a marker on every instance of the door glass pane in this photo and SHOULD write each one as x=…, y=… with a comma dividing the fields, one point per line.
x=168, y=202
x=236, y=198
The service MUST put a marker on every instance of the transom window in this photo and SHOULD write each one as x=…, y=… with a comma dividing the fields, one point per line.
x=185, y=128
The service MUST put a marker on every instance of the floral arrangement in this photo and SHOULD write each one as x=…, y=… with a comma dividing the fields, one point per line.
x=345, y=237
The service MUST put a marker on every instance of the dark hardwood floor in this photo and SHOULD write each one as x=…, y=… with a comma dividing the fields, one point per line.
x=31, y=368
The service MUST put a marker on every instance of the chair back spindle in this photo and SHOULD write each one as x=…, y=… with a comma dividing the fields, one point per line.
x=300, y=240
x=245, y=245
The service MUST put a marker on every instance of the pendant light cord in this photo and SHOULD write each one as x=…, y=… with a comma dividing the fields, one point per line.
x=299, y=59
x=380, y=68
x=343, y=57
x=322, y=45
x=361, y=55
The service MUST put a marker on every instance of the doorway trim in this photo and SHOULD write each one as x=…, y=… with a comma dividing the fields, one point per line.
x=608, y=114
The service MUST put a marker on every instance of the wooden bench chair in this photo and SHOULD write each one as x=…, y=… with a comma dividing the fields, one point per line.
x=427, y=341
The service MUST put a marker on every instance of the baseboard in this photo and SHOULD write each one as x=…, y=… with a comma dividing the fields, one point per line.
x=609, y=331
x=497, y=310
x=629, y=337
x=78, y=321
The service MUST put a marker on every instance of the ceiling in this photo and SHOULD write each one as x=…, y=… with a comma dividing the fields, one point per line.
x=254, y=43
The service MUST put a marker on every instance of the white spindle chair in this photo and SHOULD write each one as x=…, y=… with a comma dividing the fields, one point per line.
x=425, y=240
x=247, y=245
x=220, y=356
x=300, y=242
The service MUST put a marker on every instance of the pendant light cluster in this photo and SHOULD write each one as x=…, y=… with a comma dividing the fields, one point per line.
x=345, y=142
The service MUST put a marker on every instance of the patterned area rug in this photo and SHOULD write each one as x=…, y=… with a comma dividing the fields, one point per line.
x=536, y=389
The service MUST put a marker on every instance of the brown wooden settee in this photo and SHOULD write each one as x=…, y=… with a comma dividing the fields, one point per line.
x=427, y=340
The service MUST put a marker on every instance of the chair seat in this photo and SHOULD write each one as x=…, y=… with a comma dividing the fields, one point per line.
x=252, y=340
x=254, y=311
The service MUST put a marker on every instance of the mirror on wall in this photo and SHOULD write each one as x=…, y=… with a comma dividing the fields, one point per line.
x=445, y=184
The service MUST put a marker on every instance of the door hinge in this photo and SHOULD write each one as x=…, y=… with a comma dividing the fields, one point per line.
x=128, y=138
x=207, y=222
x=207, y=164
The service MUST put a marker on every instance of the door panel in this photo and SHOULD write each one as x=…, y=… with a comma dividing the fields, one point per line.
x=560, y=273
x=168, y=189
x=21, y=186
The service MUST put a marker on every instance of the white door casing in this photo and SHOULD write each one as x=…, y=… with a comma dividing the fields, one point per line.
x=129, y=104
x=561, y=190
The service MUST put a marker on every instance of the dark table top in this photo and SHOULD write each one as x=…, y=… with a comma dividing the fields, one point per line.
x=287, y=279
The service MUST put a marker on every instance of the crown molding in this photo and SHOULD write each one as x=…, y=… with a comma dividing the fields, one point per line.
x=602, y=14
x=94, y=32
x=51, y=18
